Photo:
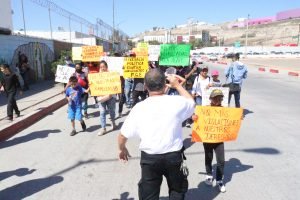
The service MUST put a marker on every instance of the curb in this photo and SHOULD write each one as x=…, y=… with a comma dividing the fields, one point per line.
x=31, y=119
x=274, y=71
x=293, y=74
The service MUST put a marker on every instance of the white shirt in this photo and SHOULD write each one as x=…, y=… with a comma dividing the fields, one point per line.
x=157, y=122
x=200, y=85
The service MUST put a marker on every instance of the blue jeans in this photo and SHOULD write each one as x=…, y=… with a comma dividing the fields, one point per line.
x=127, y=90
x=237, y=96
x=198, y=100
x=111, y=106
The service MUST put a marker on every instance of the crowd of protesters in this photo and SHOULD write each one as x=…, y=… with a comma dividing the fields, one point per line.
x=162, y=90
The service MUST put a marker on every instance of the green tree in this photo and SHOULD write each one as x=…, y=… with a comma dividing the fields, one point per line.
x=61, y=60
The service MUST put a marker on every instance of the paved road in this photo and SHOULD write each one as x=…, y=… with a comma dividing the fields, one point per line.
x=44, y=162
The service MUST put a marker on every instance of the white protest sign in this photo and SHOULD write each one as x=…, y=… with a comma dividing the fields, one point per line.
x=207, y=92
x=115, y=64
x=63, y=73
x=153, y=51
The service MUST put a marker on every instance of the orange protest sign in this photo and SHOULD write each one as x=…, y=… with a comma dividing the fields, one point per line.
x=216, y=124
x=135, y=67
x=91, y=53
x=104, y=83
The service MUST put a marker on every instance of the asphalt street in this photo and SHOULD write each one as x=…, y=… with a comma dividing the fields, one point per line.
x=44, y=162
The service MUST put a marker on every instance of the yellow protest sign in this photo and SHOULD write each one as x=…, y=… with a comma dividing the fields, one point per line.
x=216, y=124
x=142, y=45
x=104, y=83
x=135, y=67
x=76, y=53
x=91, y=53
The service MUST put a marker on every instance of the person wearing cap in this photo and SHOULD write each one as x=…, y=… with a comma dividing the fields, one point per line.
x=200, y=84
x=216, y=98
x=161, y=144
x=235, y=74
x=215, y=82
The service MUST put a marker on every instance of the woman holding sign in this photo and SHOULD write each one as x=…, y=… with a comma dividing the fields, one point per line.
x=107, y=101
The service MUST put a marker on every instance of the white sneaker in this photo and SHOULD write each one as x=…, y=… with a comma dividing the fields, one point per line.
x=119, y=115
x=221, y=186
x=102, y=132
x=209, y=180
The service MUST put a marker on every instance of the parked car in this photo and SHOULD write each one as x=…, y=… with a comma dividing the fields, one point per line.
x=212, y=57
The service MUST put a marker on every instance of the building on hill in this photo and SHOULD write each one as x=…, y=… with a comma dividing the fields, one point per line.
x=288, y=14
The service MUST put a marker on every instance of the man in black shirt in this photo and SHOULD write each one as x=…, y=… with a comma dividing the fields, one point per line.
x=10, y=84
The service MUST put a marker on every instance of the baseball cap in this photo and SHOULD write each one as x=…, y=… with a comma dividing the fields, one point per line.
x=216, y=92
x=215, y=73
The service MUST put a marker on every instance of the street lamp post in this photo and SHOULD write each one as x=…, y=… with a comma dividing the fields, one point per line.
x=246, y=42
x=24, y=24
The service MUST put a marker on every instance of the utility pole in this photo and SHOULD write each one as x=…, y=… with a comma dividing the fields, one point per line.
x=50, y=22
x=24, y=24
x=246, y=42
x=113, y=35
x=298, y=36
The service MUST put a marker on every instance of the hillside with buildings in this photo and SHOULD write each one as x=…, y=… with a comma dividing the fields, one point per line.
x=282, y=29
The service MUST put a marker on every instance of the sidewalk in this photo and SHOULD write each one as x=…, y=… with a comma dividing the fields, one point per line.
x=42, y=98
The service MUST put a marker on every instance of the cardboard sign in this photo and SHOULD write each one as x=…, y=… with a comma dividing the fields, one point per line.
x=174, y=54
x=76, y=53
x=115, y=64
x=153, y=51
x=216, y=124
x=63, y=73
x=142, y=45
x=206, y=93
x=135, y=67
x=91, y=53
x=141, y=52
x=104, y=83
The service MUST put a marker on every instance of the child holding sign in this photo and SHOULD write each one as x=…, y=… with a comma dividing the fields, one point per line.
x=216, y=98
x=73, y=94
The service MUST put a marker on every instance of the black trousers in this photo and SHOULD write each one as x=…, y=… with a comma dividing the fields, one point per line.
x=220, y=156
x=122, y=100
x=12, y=104
x=136, y=95
x=237, y=97
x=154, y=167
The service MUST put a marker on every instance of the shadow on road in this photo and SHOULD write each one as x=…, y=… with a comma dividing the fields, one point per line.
x=17, y=172
x=232, y=166
x=124, y=196
x=246, y=112
x=28, y=188
x=28, y=137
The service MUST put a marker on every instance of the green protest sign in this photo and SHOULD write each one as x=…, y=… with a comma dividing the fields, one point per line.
x=174, y=54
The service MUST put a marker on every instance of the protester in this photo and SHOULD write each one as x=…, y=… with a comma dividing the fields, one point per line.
x=216, y=98
x=157, y=122
x=84, y=83
x=122, y=98
x=10, y=84
x=215, y=82
x=107, y=101
x=138, y=91
x=200, y=84
x=128, y=88
x=74, y=93
x=235, y=74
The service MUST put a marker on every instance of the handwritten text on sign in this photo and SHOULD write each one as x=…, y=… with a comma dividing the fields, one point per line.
x=174, y=54
x=63, y=73
x=135, y=67
x=104, y=83
x=91, y=53
x=216, y=124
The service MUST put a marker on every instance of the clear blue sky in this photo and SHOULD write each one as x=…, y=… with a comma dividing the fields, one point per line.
x=135, y=16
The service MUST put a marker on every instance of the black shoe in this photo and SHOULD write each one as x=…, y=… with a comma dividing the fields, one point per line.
x=9, y=118
x=73, y=133
x=83, y=126
x=18, y=114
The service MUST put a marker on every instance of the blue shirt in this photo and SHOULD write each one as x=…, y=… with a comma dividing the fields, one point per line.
x=236, y=72
x=75, y=94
